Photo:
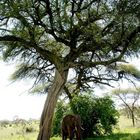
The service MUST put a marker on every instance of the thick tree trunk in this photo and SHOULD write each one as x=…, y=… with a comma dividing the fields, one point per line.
x=48, y=111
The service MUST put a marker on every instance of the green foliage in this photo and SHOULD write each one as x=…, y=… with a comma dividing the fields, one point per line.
x=87, y=36
x=98, y=115
x=106, y=113
x=59, y=113
x=130, y=70
x=68, y=34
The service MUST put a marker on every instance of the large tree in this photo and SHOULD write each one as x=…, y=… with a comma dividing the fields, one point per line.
x=47, y=38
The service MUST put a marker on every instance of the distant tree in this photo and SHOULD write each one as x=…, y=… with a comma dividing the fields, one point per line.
x=129, y=98
x=5, y=123
x=48, y=38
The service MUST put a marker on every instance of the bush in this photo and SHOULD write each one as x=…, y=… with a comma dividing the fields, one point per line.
x=59, y=113
x=98, y=115
x=29, y=129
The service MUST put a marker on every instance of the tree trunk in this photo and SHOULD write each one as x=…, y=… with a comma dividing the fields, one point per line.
x=50, y=104
x=133, y=118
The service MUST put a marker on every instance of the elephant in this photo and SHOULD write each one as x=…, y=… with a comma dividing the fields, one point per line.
x=71, y=126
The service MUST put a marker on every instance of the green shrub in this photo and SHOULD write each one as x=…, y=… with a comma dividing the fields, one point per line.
x=98, y=115
x=59, y=113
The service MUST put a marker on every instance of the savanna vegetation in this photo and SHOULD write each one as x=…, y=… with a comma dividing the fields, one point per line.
x=99, y=117
x=129, y=99
x=47, y=39
x=18, y=129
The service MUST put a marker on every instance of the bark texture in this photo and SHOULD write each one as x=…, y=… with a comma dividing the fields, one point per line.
x=50, y=104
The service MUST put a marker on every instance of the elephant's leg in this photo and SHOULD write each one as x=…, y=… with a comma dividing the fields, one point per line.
x=64, y=136
x=78, y=135
x=71, y=134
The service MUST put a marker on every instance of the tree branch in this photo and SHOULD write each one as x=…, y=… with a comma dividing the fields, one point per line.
x=67, y=92
x=53, y=58
x=85, y=48
x=14, y=38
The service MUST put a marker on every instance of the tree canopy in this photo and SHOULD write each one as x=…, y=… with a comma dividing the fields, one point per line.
x=47, y=38
x=87, y=36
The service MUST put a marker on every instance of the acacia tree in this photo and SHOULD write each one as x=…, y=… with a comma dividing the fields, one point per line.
x=47, y=38
x=129, y=97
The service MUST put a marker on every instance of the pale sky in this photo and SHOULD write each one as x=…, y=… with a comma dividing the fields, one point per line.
x=15, y=100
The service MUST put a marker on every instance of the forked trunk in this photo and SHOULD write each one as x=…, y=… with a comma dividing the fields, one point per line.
x=48, y=111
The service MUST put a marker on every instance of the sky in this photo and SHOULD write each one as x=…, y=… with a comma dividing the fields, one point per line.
x=14, y=97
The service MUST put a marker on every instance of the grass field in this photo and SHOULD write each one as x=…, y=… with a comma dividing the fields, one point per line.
x=124, y=131
x=19, y=132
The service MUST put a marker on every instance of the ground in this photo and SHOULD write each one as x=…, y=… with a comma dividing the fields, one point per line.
x=29, y=131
